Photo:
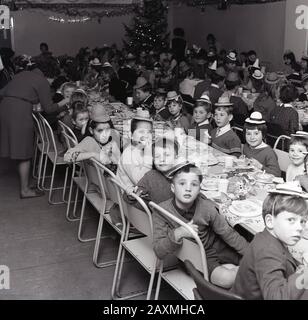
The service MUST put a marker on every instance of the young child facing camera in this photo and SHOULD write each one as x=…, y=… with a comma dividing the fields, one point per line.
x=298, y=151
x=155, y=184
x=223, y=137
x=80, y=118
x=175, y=106
x=202, y=113
x=267, y=270
x=136, y=159
x=262, y=155
x=222, y=244
x=161, y=112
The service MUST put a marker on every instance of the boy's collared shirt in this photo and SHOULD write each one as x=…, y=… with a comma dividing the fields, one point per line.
x=206, y=121
x=221, y=131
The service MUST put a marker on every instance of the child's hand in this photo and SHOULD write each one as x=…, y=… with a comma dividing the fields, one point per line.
x=84, y=127
x=303, y=180
x=181, y=232
x=256, y=163
x=63, y=102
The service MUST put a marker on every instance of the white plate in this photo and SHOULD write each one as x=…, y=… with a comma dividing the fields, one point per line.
x=210, y=185
x=212, y=194
x=268, y=178
x=246, y=208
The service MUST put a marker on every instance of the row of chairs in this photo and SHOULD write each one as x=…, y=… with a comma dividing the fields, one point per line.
x=100, y=187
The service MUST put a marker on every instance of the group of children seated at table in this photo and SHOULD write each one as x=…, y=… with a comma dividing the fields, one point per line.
x=263, y=269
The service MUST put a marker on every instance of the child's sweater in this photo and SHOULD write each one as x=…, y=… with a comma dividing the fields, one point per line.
x=228, y=142
x=180, y=122
x=267, y=271
x=109, y=153
x=266, y=156
x=212, y=227
x=196, y=130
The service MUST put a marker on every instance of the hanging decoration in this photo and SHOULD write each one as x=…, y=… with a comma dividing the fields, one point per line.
x=77, y=10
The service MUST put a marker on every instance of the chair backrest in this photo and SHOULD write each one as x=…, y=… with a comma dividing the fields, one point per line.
x=38, y=129
x=69, y=140
x=48, y=135
x=105, y=175
x=205, y=289
x=283, y=159
x=282, y=143
x=69, y=136
x=140, y=219
x=240, y=133
x=193, y=251
x=92, y=176
x=283, y=156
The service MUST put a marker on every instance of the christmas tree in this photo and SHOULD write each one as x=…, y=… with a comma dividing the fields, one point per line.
x=149, y=27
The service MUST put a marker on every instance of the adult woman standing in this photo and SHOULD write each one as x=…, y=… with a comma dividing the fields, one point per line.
x=16, y=124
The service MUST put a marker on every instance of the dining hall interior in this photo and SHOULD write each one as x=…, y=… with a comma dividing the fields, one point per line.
x=153, y=149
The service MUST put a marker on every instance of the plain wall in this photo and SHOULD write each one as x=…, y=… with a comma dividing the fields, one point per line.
x=31, y=27
x=243, y=27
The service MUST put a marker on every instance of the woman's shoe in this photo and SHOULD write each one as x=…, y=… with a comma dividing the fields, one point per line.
x=32, y=193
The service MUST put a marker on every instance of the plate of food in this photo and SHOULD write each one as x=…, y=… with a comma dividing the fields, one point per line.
x=242, y=163
x=212, y=161
x=210, y=184
x=214, y=195
x=264, y=177
x=246, y=208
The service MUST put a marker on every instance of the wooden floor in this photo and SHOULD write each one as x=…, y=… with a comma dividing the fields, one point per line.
x=46, y=260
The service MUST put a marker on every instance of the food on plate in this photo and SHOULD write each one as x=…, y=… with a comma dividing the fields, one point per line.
x=246, y=208
x=264, y=177
x=210, y=184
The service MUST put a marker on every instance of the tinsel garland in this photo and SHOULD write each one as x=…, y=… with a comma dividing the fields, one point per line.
x=90, y=10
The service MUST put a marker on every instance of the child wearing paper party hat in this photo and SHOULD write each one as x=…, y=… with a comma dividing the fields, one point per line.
x=262, y=155
x=136, y=159
x=298, y=151
x=202, y=113
x=223, y=245
x=223, y=137
x=175, y=106
x=101, y=145
x=268, y=271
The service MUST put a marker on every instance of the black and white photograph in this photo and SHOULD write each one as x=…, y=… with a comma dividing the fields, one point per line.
x=153, y=153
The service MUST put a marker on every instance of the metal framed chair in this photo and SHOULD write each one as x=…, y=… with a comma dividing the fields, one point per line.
x=40, y=150
x=206, y=290
x=71, y=141
x=106, y=189
x=140, y=248
x=190, y=250
x=52, y=154
x=240, y=133
x=283, y=156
